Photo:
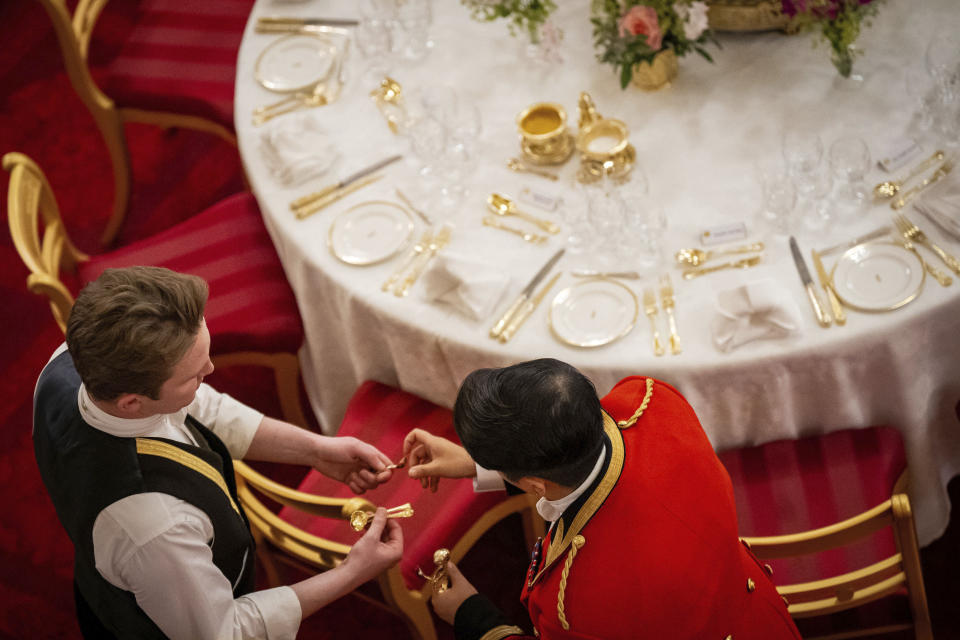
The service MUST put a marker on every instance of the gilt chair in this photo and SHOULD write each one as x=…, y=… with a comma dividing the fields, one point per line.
x=307, y=528
x=251, y=311
x=176, y=69
x=830, y=516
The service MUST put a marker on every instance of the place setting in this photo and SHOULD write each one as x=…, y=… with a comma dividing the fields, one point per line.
x=307, y=66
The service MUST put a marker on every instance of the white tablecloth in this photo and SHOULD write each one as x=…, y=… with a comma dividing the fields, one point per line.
x=699, y=143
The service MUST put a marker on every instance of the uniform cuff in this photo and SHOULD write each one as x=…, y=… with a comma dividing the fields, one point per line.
x=487, y=480
x=476, y=616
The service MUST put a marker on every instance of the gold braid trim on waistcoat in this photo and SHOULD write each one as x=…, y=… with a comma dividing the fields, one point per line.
x=578, y=541
x=626, y=424
x=503, y=631
x=163, y=450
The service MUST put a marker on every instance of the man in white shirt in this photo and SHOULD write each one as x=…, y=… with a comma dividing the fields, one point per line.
x=136, y=453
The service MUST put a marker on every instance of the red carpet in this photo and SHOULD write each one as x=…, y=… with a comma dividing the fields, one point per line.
x=176, y=174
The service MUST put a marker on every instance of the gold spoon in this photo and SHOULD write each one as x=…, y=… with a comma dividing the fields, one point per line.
x=533, y=238
x=890, y=188
x=738, y=264
x=515, y=165
x=360, y=519
x=697, y=257
x=503, y=206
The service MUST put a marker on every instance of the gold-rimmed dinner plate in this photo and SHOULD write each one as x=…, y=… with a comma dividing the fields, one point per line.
x=370, y=232
x=593, y=313
x=878, y=276
x=295, y=62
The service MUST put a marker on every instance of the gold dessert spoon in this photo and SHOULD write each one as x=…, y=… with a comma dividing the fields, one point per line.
x=890, y=188
x=738, y=264
x=504, y=206
x=361, y=519
x=696, y=257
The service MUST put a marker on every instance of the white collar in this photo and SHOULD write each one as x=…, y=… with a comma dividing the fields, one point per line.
x=122, y=427
x=550, y=510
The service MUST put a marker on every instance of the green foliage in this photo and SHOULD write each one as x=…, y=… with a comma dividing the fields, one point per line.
x=523, y=15
x=623, y=52
x=838, y=23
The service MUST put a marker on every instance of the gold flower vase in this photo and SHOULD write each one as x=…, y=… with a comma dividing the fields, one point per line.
x=651, y=76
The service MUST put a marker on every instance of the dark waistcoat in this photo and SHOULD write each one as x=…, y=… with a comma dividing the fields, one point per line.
x=85, y=470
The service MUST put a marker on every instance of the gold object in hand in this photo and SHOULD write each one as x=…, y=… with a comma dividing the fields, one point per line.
x=440, y=579
x=361, y=519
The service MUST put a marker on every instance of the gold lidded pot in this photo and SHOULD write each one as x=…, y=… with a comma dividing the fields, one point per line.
x=544, y=137
x=605, y=148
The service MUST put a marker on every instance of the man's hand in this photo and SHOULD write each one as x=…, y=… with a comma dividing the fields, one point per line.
x=447, y=602
x=431, y=457
x=379, y=549
x=357, y=464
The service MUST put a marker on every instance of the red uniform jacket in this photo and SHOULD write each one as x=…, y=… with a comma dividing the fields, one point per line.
x=650, y=550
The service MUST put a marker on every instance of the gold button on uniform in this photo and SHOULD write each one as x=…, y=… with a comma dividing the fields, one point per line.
x=768, y=569
x=751, y=585
x=728, y=638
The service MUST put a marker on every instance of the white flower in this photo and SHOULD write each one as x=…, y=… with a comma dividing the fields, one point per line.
x=694, y=17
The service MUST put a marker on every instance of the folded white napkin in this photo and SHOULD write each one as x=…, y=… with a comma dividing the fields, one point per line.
x=753, y=312
x=941, y=203
x=470, y=286
x=296, y=149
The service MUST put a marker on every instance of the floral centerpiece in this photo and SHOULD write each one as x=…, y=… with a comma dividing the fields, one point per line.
x=839, y=24
x=638, y=36
x=528, y=16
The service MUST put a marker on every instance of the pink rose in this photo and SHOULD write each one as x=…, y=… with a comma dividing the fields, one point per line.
x=642, y=20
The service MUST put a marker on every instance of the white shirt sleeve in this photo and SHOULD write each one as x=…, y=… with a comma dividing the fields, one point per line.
x=487, y=480
x=234, y=422
x=156, y=546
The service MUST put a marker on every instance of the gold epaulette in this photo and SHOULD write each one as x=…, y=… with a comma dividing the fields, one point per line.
x=626, y=424
x=503, y=631
x=578, y=541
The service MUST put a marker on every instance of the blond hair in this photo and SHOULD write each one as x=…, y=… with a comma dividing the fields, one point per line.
x=130, y=327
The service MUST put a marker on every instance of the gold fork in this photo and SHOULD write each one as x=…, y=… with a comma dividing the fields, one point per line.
x=650, y=308
x=438, y=242
x=417, y=250
x=913, y=233
x=667, y=302
x=316, y=97
x=938, y=275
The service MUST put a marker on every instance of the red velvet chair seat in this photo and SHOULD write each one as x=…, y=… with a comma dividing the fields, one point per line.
x=181, y=57
x=383, y=415
x=789, y=486
x=251, y=306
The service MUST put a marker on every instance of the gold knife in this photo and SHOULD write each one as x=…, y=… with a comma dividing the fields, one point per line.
x=504, y=320
x=823, y=316
x=524, y=312
x=315, y=205
x=353, y=177
x=838, y=315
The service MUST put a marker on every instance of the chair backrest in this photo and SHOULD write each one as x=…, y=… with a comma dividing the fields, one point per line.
x=297, y=543
x=73, y=35
x=894, y=574
x=30, y=206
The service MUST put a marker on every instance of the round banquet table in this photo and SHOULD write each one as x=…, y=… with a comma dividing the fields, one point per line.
x=699, y=143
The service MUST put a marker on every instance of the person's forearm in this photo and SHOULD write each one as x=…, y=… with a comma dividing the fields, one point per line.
x=323, y=588
x=277, y=441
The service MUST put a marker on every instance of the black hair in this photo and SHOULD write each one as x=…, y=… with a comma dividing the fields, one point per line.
x=540, y=418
